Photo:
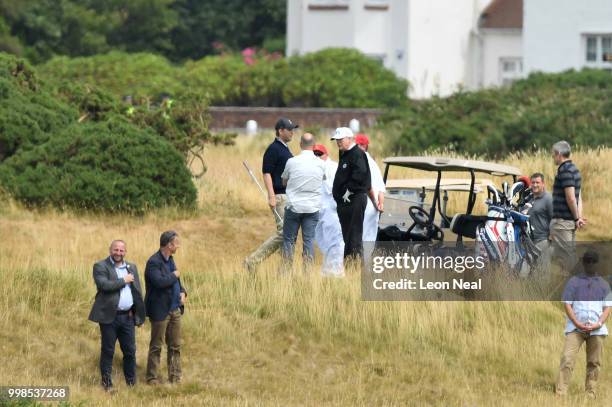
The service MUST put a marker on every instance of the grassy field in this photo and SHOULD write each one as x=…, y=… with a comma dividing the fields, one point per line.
x=270, y=340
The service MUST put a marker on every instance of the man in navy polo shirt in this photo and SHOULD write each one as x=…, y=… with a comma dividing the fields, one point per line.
x=273, y=165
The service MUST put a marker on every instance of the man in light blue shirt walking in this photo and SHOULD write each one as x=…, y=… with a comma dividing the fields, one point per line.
x=588, y=302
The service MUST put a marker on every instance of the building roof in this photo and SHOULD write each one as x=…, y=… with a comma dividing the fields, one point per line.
x=503, y=14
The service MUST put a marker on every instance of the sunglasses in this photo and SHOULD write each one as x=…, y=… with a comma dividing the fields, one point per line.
x=318, y=153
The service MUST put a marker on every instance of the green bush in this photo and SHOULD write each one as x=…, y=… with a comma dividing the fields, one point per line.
x=28, y=115
x=339, y=77
x=72, y=145
x=328, y=78
x=119, y=73
x=531, y=114
x=109, y=166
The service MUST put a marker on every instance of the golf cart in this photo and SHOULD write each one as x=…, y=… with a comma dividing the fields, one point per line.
x=410, y=216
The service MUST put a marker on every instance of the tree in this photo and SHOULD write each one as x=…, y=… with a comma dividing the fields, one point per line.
x=177, y=29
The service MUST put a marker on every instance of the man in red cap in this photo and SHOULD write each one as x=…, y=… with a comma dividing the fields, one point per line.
x=370, y=218
x=328, y=233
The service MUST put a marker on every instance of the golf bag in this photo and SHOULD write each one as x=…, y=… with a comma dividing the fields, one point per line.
x=505, y=236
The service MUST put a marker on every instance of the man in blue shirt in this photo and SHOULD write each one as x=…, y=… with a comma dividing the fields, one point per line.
x=587, y=301
x=164, y=300
x=117, y=309
x=273, y=165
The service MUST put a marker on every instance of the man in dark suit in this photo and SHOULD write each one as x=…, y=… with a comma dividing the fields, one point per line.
x=118, y=307
x=164, y=300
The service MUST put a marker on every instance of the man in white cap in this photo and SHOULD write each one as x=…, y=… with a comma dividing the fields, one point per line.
x=374, y=207
x=352, y=185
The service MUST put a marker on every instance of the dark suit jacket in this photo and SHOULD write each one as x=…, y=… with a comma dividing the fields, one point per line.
x=107, y=298
x=158, y=282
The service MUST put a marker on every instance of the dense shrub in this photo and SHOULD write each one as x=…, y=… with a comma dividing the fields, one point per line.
x=341, y=78
x=117, y=72
x=28, y=116
x=533, y=113
x=74, y=146
x=104, y=166
x=328, y=78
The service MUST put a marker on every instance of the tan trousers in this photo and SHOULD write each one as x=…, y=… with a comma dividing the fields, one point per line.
x=563, y=242
x=169, y=330
x=274, y=242
x=594, y=351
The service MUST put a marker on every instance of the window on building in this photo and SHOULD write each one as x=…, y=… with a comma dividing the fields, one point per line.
x=376, y=5
x=510, y=70
x=328, y=4
x=598, y=50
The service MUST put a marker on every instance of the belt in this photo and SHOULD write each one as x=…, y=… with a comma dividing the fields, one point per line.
x=119, y=312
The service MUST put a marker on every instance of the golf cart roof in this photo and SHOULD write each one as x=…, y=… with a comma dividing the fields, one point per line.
x=452, y=164
x=449, y=184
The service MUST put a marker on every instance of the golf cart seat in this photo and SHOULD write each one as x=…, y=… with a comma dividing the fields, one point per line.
x=393, y=234
x=465, y=225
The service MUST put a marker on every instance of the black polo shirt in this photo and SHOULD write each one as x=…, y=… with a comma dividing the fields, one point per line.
x=353, y=174
x=274, y=161
x=567, y=176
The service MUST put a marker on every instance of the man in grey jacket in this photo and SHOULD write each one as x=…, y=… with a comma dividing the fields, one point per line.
x=118, y=308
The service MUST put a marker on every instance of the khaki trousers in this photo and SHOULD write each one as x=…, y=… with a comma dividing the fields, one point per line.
x=169, y=330
x=563, y=242
x=274, y=242
x=594, y=351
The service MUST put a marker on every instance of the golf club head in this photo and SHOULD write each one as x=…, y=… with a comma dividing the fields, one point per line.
x=493, y=193
x=516, y=189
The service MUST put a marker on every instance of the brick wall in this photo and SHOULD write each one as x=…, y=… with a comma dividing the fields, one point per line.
x=235, y=118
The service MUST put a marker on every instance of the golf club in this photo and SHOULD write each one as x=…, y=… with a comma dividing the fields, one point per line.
x=260, y=188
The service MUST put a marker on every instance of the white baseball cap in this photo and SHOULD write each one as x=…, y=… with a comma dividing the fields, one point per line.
x=342, y=132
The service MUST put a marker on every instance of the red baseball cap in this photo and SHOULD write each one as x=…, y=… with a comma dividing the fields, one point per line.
x=320, y=148
x=362, y=139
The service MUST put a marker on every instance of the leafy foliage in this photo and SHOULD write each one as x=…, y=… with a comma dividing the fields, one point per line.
x=533, y=113
x=73, y=146
x=27, y=116
x=328, y=78
x=105, y=166
x=177, y=29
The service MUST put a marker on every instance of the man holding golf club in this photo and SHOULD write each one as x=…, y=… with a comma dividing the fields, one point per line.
x=273, y=165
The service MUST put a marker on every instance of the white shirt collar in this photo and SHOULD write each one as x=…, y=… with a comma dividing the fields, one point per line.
x=123, y=264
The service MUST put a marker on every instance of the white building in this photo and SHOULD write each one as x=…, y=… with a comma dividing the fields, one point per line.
x=564, y=34
x=498, y=44
x=427, y=42
x=443, y=45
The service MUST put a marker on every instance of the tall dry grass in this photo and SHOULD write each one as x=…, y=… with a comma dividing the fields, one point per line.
x=269, y=340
